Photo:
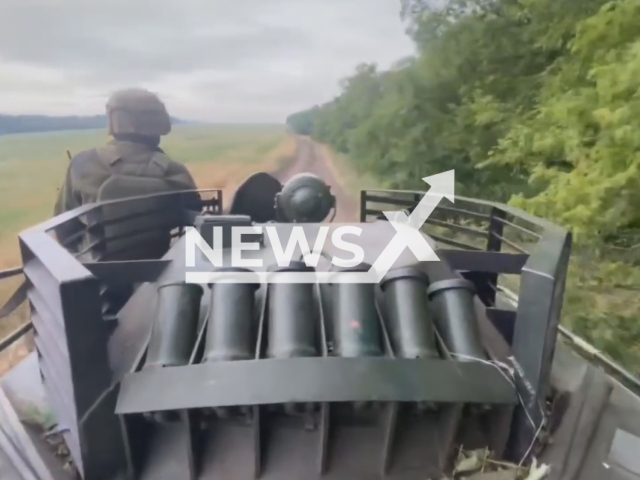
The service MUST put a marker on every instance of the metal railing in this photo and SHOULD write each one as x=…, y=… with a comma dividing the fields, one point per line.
x=67, y=304
x=490, y=222
x=81, y=232
x=486, y=241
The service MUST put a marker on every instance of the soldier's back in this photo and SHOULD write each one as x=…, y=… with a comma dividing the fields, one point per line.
x=90, y=169
x=137, y=119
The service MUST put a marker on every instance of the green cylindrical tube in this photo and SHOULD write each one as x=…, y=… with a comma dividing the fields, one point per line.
x=409, y=320
x=175, y=330
x=231, y=322
x=292, y=321
x=455, y=312
x=355, y=319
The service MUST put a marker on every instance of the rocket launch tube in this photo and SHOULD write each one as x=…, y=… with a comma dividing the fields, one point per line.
x=356, y=328
x=292, y=325
x=175, y=330
x=452, y=302
x=408, y=317
x=231, y=320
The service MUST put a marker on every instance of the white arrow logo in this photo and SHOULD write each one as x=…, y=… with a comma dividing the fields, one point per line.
x=407, y=227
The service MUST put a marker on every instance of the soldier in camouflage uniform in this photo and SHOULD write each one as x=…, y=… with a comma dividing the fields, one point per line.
x=136, y=120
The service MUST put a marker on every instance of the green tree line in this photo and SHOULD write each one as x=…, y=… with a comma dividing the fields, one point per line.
x=10, y=124
x=532, y=102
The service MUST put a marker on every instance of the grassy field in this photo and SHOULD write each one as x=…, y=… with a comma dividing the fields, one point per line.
x=33, y=166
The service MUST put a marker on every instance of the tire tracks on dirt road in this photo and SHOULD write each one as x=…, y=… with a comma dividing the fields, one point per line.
x=310, y=157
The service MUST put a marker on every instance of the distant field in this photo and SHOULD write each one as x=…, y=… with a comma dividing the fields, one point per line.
x=32, y=167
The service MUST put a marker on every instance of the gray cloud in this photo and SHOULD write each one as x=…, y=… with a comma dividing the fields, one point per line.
x=251, y=60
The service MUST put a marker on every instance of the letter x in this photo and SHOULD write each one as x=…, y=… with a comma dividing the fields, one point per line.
x=408, y=235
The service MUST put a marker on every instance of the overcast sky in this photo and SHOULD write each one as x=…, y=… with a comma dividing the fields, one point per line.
x=213, y=60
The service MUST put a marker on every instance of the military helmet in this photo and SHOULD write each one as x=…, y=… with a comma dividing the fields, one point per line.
x=304, y=198
x=137, y=111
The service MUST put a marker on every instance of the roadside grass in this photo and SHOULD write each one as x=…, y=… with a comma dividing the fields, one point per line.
x=33, y=166
x=352, y=181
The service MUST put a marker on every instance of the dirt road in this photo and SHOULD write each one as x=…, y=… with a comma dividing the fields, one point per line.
x=310, y=158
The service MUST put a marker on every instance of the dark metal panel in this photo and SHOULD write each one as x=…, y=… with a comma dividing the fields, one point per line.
x=350, y=444
x=53, y=356
x=312, y=380
x=390, y=426
x=479, y=261
x=71, y=340
x=87, y=334
x=290, y=453
x=52, y=352
x=67, y=425
x=597, y=395
x=504, y=320
x=54, y=258
x=325, y=431
x=363, y=205
x=496, y=229
x=59, y=398
x=288, y=449
x=168, y=458
x=420, y=444
x=68, y=295
x=536, y=330
x=132, y=334
x=494, y=244
x=45, y=327
x=547, y=267
x=86, y=340
x=485, y=291
x=44, y=288
x=56, y=378
x=257, y=440
x=46, y=308
x=602, y=460
x=102, y=440
x=409, y=202
x=134, y=271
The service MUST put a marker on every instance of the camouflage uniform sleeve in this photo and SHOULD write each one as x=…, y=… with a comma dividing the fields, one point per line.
x=67, y=198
